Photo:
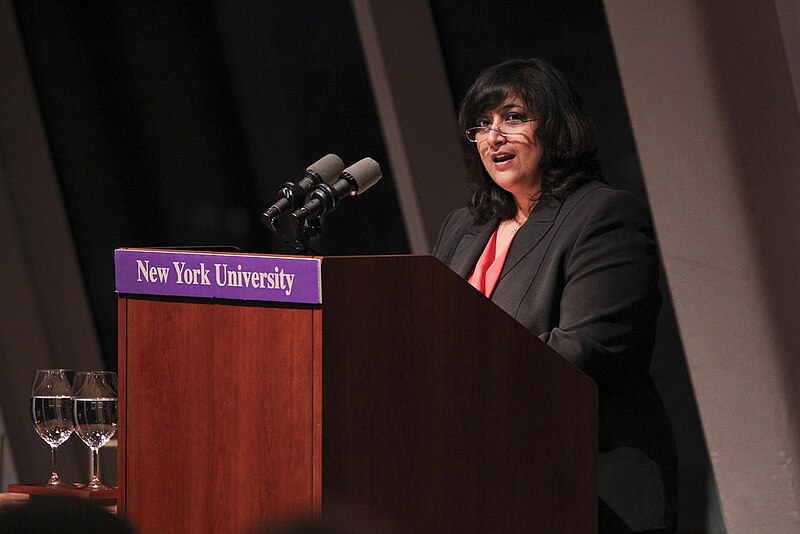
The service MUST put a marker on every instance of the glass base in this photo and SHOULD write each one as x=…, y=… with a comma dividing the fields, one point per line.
x=95, y=484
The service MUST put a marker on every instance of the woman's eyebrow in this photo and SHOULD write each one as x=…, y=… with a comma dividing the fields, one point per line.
x=502, y=109
x=508, y=107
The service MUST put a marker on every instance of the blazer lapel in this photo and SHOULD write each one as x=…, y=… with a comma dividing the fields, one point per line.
x=536, y=227
x=471, y=246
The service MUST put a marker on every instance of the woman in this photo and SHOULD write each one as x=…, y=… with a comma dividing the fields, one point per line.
x=573, y=260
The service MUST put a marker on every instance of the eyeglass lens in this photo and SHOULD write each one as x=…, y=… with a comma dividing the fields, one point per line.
x=478, y=133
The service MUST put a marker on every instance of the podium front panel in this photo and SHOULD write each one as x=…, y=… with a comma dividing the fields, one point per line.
x=217, y=429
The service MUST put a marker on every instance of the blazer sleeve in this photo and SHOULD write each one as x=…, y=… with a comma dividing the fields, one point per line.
x=437, y=248
x=610, y=299
x=449, y=234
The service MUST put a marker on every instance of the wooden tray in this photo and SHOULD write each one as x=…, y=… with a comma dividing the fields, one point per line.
x=79, y=491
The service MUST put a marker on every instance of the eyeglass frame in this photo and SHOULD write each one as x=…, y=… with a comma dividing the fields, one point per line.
x=487, y=129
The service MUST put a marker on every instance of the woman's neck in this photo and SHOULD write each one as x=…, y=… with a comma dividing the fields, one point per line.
x=525, y=204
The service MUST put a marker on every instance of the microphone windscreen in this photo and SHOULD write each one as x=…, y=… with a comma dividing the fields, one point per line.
x=362, y=175
x=328, y=168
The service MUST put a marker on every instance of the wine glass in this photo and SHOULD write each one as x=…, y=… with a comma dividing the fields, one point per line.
x=51, y=411
x=95, y=413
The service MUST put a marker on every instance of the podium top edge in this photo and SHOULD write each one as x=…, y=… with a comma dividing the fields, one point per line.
x=201, y=251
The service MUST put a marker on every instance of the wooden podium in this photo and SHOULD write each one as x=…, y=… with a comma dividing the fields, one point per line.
x=403, y=396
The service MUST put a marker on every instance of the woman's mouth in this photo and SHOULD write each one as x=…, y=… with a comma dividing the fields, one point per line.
x=502, y=160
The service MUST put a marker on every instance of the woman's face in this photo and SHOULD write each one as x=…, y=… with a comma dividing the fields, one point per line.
x=512, y=160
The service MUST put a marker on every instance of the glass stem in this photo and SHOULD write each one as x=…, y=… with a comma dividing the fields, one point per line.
x=54, y=480
x=95, y=482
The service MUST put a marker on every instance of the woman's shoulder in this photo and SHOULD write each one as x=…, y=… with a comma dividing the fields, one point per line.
x=457, y=223
x=458, y=218
x=600, y=198
x=596, y=191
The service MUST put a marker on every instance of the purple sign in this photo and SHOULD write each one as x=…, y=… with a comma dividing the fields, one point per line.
x=220, y=276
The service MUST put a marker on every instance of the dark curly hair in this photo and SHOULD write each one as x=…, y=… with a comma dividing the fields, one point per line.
x=564, y=130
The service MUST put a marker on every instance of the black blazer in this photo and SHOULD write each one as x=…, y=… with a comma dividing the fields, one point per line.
x=582, y=274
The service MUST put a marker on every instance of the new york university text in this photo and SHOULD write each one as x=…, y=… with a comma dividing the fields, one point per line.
x=223, y=276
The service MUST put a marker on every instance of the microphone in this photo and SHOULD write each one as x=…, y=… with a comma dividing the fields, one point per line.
x=324, y=198
x=291, y=195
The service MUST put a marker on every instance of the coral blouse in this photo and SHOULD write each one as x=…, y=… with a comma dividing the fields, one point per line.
x=487, y=271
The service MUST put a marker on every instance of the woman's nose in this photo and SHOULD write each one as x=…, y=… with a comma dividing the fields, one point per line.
x=494, y=136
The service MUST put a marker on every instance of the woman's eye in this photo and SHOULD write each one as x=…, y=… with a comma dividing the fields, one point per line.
x=514, y=116
x=483, y=123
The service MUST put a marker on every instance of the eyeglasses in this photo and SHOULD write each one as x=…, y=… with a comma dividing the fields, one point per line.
x=510, y=127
